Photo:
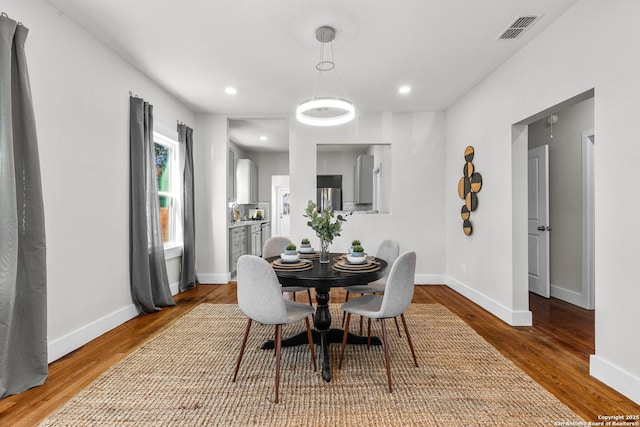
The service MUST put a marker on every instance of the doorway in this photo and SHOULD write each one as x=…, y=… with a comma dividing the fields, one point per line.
x=281, y=205
x=567, y=133
x=567, y=129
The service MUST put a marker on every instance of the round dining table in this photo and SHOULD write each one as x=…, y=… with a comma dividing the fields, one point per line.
x=322, y=277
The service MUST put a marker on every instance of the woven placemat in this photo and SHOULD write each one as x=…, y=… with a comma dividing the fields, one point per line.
x=182, y=377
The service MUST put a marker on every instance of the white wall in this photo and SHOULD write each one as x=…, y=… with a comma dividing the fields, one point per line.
x=417, y=194
x=269, y=164
x=593, y=45
x=80, y=92
x=210, y=193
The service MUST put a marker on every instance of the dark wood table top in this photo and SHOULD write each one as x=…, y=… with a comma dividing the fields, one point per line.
x=325, y=276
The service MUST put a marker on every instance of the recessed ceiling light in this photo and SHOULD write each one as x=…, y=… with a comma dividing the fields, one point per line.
x=263, y=138
x=231, y=90
x=404, y=89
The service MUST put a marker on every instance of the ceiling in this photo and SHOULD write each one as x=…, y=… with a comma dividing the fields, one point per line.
x=267, y=50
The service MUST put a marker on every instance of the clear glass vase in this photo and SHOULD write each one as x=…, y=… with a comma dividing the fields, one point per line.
x=325, y=256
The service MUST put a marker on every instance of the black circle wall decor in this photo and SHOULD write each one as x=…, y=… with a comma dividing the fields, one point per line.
x=468, y=187
x=467, y=170
x=464, y=186
x=464, y=213
x=466, y=227
x=468, y=153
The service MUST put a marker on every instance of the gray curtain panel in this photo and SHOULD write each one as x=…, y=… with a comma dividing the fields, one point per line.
x=149, y=281
x=23, y=271
x=188, y=278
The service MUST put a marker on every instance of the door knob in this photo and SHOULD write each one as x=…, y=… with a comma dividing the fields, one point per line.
x=541, y=228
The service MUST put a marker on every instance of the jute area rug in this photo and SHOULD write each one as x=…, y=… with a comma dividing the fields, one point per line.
x=182, y=377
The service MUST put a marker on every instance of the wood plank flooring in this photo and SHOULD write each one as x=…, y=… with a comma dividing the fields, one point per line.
x=554, y=351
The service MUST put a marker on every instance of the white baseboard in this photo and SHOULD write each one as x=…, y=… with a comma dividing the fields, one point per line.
x=616, y=378
x=513, y=318
x=214, y=279
x=429, y=279
x=76, y=339
x=175, y=288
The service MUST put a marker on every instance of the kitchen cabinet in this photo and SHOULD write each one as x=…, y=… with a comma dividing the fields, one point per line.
x=237, y=246
x=246, y=182
x=363, y=180
x=255, y=240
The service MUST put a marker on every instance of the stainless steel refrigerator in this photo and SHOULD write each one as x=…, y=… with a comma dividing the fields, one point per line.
x=329, y=192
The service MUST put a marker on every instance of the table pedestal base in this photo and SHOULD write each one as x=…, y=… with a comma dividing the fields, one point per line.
x=323, y=339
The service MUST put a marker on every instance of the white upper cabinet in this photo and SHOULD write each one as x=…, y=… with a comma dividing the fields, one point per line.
x=246, y=182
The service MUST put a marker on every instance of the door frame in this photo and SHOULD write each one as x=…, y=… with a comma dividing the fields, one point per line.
x=588, y=221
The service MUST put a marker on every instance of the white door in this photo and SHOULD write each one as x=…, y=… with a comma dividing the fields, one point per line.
x=538, y=182
x=283, y=211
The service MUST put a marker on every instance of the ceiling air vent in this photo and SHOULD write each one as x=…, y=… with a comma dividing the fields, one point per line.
x=519, y=25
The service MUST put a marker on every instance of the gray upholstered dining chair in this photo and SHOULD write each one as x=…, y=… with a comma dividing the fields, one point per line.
x=395, y=300
x=260, y=299
x=388, y=250
x=275, y=245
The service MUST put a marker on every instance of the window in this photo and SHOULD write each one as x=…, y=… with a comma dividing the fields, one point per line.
x=168, y=175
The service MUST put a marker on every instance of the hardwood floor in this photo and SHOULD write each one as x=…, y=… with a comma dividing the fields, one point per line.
x=555, y=352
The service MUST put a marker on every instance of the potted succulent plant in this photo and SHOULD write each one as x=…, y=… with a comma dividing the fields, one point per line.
x=291, y=249
x=353, y=245
x=357, y=256
x=290, y=254
x=305, y=247
x=358, y=251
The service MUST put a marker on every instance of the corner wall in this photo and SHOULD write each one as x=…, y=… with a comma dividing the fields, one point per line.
x=80, y=92
x=588, y=47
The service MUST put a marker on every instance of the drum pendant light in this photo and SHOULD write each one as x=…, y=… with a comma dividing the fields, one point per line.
x=325, y=110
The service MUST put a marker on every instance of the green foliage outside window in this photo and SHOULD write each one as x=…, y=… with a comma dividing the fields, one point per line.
x=162, y=171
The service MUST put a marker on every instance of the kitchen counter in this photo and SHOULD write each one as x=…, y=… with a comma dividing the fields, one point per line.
x=248, y=222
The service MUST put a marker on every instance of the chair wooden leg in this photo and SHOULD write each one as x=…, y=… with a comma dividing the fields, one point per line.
x=242, y=346
x=309, y=295
x=369, y=334
x=406, y=332
x=387, y=357
x=310, y=337
x=395, y=319
x=278, y=346
x=361, y=323
x=344, y=340
x=344, y=312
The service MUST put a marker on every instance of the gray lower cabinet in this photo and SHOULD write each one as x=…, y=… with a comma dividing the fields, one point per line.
x=255, y=240
x=237, y=246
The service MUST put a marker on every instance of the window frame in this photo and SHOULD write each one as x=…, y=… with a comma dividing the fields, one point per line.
x=173, y=246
